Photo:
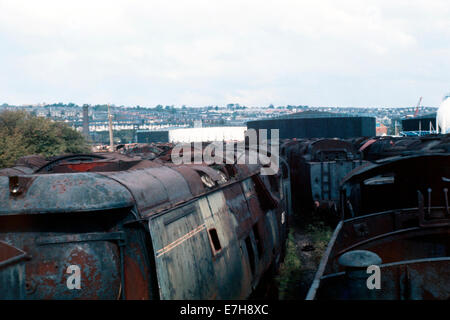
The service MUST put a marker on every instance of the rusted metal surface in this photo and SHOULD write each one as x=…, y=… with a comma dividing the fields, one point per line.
x=402, y=243
x=139, y=229
x=25, y=165
x=97, y=162
x=62, y=193
x=393, y=183
x=408, y=229
x=146, y=151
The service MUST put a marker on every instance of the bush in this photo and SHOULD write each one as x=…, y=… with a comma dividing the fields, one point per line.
x=23, y=134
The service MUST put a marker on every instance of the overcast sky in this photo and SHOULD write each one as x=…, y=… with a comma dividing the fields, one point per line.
x=195, y=53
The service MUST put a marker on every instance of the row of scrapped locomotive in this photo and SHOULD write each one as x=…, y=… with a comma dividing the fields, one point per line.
x=395, y=215
x=318, y=166
x=375, y=148
x=110, y=226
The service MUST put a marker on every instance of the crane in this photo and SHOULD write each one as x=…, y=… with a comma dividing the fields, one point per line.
x=417, y=107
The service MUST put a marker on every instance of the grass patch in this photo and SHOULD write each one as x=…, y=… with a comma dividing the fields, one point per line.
x=320, y=236
x=319, y=232
x=290, y=270
x=299, y=267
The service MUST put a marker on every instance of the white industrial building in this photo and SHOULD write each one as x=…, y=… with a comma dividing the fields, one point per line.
x=182, y=135
x=207, y=134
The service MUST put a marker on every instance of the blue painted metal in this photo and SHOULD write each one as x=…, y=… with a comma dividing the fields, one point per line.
x=60, y=193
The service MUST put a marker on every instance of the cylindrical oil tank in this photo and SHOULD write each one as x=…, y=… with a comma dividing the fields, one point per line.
x=311, y=124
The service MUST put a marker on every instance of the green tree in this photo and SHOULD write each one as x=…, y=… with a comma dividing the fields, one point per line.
x=23, y=134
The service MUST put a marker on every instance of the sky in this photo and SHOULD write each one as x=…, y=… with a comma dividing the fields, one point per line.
x=346, y=53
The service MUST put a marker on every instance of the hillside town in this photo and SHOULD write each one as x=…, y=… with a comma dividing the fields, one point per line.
x=126, y=120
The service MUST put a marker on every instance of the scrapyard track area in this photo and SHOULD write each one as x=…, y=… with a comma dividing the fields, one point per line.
x=220, y=231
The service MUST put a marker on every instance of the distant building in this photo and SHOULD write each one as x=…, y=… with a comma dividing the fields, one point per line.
x=381, y=129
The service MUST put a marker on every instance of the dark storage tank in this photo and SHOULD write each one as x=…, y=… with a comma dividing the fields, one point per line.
x=426, y=122
x=312, y=124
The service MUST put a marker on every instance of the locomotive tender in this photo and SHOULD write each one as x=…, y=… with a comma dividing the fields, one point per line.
x=395, y=214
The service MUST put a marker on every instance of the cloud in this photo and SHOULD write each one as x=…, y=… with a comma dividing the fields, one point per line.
x=342, y=53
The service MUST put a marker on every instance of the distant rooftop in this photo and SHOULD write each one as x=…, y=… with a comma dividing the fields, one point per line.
x=317, y=114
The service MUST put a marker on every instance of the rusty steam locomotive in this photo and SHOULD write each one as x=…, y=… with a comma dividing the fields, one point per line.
x=109, y=226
